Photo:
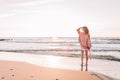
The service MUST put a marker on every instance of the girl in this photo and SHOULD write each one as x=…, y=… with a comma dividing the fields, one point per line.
x=85, y=43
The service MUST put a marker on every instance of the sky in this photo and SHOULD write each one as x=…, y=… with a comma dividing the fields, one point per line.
x=59, y=18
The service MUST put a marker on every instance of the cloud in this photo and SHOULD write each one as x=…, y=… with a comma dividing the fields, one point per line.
x=34, y=3
x=7, y=15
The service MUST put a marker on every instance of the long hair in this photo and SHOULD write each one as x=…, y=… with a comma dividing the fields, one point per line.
x=85, y=29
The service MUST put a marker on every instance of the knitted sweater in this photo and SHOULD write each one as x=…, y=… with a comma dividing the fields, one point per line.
x=84, y=40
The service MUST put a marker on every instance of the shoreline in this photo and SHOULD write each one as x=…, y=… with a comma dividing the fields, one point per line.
x=69, y=63
x=110, y=57
x=13, y=70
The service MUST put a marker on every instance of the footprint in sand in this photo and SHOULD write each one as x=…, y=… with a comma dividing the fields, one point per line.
x=13, y=75
x=11, y=69
x=32, y=76
x=3, y=77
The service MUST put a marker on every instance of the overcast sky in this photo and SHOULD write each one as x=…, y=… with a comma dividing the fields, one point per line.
x=59, y=18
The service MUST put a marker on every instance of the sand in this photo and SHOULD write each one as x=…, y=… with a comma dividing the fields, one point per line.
x=11, y=70
x=17, y=66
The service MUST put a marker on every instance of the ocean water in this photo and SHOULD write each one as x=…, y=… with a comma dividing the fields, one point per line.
x=102, y=48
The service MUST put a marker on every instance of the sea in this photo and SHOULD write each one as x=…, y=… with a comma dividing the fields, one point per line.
x=107, y=48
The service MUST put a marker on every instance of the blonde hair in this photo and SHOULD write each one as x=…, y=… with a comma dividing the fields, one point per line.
x=85, y=29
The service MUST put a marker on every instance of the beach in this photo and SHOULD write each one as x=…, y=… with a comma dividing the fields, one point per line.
x=48, y=39
x=24, y=71
x=48, y=67
x=61, y=53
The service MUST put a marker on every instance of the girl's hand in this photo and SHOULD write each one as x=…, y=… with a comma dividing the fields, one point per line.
x=78, y=29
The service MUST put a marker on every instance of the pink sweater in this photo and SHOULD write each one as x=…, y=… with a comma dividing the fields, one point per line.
x=84, y=40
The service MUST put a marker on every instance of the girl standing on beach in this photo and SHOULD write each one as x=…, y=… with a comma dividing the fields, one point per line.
x=85, y=43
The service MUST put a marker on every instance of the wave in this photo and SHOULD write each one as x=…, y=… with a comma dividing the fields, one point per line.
x=65, y=46
x=37, y=52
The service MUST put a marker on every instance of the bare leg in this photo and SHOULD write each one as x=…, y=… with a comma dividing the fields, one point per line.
x=86, y=67
x=86, y=52
x=81, y=67
x=82, y=53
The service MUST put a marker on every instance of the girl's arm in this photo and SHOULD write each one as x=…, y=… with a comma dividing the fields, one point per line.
x=78, y=30
x=89, y=42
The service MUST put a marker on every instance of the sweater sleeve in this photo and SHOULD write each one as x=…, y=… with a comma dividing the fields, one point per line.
x=88, y=42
